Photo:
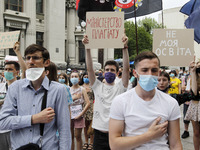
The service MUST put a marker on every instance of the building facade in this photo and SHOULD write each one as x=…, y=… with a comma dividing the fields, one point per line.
x=52, y=24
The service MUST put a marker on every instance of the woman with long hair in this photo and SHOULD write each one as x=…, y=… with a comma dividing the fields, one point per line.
x=79, y=96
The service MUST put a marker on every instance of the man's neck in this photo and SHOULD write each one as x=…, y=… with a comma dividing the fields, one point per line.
x=113, y=83
x=146, y=96
x=37, y=83
x=11, y=81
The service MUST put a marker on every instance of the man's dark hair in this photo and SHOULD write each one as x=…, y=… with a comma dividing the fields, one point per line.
x=16, y=64
x=112, y=62
x=34, y=48
x=145, y=55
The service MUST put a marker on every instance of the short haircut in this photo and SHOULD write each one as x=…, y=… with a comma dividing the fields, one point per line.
x=112, y=62
x=165, y=74
x=34, y=48
x=145, y=55
x=16, y=64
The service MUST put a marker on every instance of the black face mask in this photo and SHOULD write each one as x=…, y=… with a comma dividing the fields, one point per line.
x=197, y=70
x=120, y=74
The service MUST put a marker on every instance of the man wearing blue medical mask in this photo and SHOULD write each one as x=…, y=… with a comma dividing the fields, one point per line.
x=145, y=117
x=11, y=71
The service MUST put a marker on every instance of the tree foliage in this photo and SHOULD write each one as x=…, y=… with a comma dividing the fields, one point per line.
x=145, y=36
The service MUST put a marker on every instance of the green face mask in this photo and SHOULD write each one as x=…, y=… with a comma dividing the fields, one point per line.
x=8, y=75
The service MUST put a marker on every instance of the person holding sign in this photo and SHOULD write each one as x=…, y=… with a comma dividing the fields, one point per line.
x=79, y=96
x=143, y=117
x=105, y=92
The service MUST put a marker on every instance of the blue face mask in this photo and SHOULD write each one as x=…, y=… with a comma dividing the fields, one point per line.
x=148, y=82
x=86, y=80
x=8, y=75
x=132, y=79
x=74, y=81
x=61, y=80
x=171, y=75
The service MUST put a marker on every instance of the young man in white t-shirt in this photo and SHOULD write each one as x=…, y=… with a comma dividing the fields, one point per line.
x=105, y=92
x=144, y=117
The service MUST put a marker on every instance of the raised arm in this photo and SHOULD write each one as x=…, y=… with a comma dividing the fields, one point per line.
x=117, y=142
x=19, y=56
x=193, y=77
x=89, y=62
x=125, y=73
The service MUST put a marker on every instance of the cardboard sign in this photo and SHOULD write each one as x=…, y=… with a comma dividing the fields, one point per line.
x=8, y=39
x=75, y=110
x=105, y=29
x=174, y=47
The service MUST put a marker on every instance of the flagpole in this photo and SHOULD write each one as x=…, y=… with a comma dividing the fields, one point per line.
x=136, y=29
x=162, y=16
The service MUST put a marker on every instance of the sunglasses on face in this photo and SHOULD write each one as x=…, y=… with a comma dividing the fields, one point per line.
x=27, y=58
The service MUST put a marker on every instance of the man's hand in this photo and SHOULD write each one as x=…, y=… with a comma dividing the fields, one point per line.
x=16, y=47
x=157, y=130
x=45, y=116
x=85, y=40
x=125, y=40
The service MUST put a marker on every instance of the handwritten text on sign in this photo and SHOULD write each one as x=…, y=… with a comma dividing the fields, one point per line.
x=105, y=29
x=75, y=110
x=176, y=45
x=8, y=39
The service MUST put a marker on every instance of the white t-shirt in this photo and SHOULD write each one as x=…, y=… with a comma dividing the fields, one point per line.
x=104, y=95
x=138, y=115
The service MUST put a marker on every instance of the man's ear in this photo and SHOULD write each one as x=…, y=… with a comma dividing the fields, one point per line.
x=47, y=63
x=135, y=73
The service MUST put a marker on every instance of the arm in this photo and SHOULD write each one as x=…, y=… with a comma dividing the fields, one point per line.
x=89, y=62
x=85, y=96
x=117, y=142
x=174, y=135
x=19, y=56
x=125, y=73
x=179, y=88
x=9, y=118
x=63, y=120
x=193, y=77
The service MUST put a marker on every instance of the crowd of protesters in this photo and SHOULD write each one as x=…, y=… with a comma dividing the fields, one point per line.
x=115, y=107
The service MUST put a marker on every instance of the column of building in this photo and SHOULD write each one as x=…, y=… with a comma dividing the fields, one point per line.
x=30, y=10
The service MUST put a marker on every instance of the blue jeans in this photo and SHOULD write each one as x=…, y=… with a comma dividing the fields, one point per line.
x=101, y=140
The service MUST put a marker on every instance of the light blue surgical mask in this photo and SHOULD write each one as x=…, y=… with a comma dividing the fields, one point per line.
x=132, y=79
x=74, y=81
x=8, y=75
x=148, y=82
x=172, y=75
x=86, y=80
x=61, y=80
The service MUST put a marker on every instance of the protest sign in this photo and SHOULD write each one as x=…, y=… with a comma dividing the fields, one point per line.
x=8, y=39
x=75, y=110
x=105, y=29
x=174, y=47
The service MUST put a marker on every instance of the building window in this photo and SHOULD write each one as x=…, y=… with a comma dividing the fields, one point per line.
x=81, y=52
x=16, y=5
x=39, y=38
x=39, y=6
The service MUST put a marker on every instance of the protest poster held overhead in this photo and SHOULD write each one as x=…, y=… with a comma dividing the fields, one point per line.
x=8, y=39
x=174, y=47
x=105, y=29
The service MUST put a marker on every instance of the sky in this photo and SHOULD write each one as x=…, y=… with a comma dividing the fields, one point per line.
x=167, y=4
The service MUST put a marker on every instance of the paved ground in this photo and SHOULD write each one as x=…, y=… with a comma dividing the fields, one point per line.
x=188, y=142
